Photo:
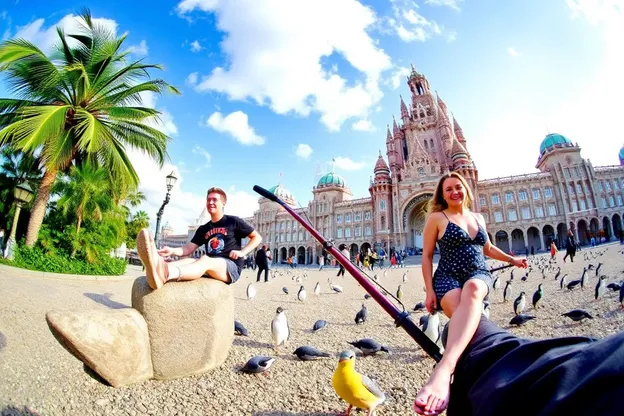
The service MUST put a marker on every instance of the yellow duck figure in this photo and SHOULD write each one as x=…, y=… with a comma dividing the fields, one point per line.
x=355, y=388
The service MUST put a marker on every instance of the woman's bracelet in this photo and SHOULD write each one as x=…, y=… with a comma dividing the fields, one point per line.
x=510, y=261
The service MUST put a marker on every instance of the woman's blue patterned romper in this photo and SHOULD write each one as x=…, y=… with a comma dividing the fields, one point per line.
x=461, y=259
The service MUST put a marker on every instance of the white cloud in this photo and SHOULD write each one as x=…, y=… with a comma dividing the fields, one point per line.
x=236, y=124
x=187, y=6
x=398, y=76
x=240, y=203
x=46, y=37
x=453, y=4
x=204, y=153
x=411, y=26
x=513, y=52
x=303, y=151
x=195, y=46
x=275, y=48
x=363, y=125
x=192, y=78
x=346, y=163
x=141, y=49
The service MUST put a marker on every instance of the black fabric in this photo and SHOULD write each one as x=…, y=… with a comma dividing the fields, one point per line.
x=501, y=374
x=261, y=258
x=264, y=269
x=223, y=236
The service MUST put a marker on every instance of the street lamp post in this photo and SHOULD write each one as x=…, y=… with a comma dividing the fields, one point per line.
x=23, y=195
x=170, y=180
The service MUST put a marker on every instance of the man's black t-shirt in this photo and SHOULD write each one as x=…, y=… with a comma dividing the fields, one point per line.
x=223, y=236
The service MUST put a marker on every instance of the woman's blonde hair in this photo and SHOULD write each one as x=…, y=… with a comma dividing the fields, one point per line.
x=437, y=202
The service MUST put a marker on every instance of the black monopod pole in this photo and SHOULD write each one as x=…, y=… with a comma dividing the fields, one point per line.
x=401, y=318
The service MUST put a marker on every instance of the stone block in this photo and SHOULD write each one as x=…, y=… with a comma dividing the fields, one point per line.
x=114, y=343
x=189, y=324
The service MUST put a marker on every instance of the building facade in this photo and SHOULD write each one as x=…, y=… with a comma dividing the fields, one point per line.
x=522, y=212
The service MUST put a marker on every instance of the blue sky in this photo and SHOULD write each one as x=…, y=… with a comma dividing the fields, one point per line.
x=263, y=78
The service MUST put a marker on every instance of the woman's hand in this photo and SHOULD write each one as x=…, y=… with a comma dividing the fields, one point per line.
x=519, y=262
x=431, y=301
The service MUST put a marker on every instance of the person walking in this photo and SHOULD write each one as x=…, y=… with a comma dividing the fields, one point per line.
x=345, y=252
x=570, y=247
x=262, y=263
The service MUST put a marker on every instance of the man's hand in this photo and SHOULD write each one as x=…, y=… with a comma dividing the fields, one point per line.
x=235, y=254
x=166, y=251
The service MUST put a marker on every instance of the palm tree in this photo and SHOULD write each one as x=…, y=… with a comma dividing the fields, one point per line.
x=141, y=219
x=84, y=192
x=15, y=168
x=81, y=104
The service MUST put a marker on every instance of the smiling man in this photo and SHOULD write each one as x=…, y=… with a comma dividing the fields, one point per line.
x=221, y=236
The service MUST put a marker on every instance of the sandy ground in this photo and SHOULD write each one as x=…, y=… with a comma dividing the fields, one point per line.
x=37, y=375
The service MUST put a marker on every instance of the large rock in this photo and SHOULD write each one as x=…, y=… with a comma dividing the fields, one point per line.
x=113, y=343
x=189, y=324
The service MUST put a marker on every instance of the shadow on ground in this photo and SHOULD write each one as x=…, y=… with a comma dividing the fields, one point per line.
x=105, y=300
x=279, y=413
x=18, y=411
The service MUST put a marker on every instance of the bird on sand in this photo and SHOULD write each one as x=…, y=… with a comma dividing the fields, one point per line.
x=302, y=294
x=317, y=289
x=239, y=329
x=368, y=346
x=520, y=319
x=361, y=316
x=251, y=292
x=600, y=287
x=577, y=315
x=356, y=389
x=318, y=325
x=307, y=353
x=285, y=290
x=520, y=303
x=280, y=331
x=538, y=296
x=258, y=364
x=399, y=293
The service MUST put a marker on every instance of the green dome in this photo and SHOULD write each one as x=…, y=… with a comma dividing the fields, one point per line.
x=622, y=156
x=332, y=179
x=283, y=194
x=553, y=139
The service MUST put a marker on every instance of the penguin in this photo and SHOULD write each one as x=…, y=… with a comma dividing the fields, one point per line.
x=369, y=346
x=335, y=288
x=598, y=268
x=404, y=278
x=251, y=292
x=573, y=284
x=280, y=331
x=362, y=315
x=583, y=278
x=399, y=293
x=537, y=296
x=258, y=364
x=520, y=319
x=496, y=283
x=520, y=303
x=317, y=288
x=486, y=311
x=614, y=286
x=508, y=291
x=301, y=295
x=562, y=283
x=600, y=288
x=419, y=306
x=318, y=325
x=307, y=353
x=432, y=328
x=577, y=315
x=239, y=329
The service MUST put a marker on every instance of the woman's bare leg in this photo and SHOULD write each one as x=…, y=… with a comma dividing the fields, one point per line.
x=182, y=262
x=434, y=396
x=212, y=266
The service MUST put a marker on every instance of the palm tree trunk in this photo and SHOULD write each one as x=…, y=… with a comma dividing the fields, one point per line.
x=39, y=206
x=77, y=232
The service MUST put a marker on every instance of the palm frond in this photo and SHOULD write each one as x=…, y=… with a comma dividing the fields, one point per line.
x=36, y=125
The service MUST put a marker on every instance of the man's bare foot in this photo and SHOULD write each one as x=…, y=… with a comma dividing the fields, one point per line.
x=433, y=398
x=155, y=267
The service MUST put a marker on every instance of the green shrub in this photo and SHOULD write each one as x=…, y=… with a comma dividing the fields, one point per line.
x=37, y=259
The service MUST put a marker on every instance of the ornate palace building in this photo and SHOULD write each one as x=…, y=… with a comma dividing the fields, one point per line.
x=524, y=211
